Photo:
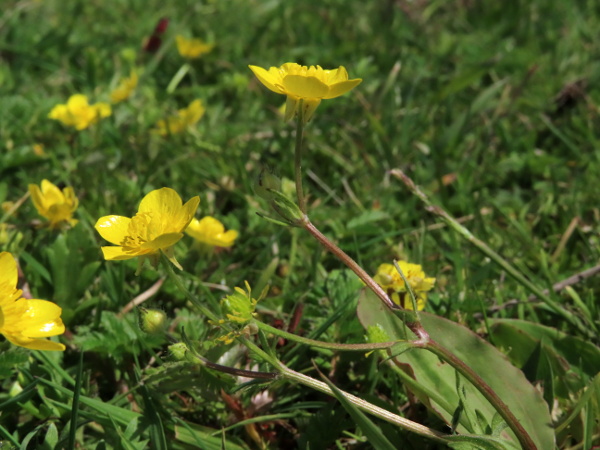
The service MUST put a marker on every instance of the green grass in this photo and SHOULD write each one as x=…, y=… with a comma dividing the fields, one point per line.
x=467, y=98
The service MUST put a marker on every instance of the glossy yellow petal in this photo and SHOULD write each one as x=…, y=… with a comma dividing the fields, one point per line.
x=77, y=103
x=189, y=209
x=268, y=78
x=162, y=242
x=8, y=270
x=304, y=87
x=41, y=319
x=113, y=228
x=37, y=198
x=211, y=231
x=341, y=88
x=163, y=201
x=35, y=344
x=336, y=75
x=116, y=254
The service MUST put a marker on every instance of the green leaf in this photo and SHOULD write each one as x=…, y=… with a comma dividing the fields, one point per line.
x=520, y=338
x=433, y=381
x=36, y=266
x=376, y=438
x=202, y=437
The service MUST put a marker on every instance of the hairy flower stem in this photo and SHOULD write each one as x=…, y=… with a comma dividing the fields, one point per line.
x=208, y=313
x=415, y=327
x=298, y=156
x=486, y=250
x=491, y=396
x=365, y=406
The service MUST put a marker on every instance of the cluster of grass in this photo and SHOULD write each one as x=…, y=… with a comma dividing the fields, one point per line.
x=489, y=107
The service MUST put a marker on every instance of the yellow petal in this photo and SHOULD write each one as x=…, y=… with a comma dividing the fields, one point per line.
x=162, y=242
x=113, y=228
x=268, y=78
x=41, y=319
x=77, y=102
x=341, y=88
x=162, y=201
x=35, y=344
x=304, y=87
x=37, y=198
x=52, y=194
x=336, y=75
x=116, y=254
x=8, y=270
x=189, y=209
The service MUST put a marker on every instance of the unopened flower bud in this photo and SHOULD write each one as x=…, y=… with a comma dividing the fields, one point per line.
x=178, y=351
x=152, y=321
x=265, y=183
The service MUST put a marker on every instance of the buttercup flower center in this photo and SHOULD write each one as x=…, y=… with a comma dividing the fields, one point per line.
x=139, y=232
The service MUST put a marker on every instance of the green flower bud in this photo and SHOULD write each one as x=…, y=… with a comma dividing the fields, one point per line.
x=266, y=183
x=152, y=321
x=178, y=351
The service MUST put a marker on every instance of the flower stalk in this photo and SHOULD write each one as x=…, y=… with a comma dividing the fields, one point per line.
x=298, y=156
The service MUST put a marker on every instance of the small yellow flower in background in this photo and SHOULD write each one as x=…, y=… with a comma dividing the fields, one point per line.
x=24, y=322
x=390, y=280
x=38, y=149
x=210, y=231
x=185, y=118
x=78, y=113
x=55, y=205
x=158, y=225
x=126, y=86
x=310, y=84
x=192, y=48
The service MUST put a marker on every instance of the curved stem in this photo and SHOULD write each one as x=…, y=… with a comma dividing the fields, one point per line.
x=415, y=327
x=329, y=345
x=426, y=342
x=366, y=406
x=178, y=77
x=486, y=391
x=298, y=156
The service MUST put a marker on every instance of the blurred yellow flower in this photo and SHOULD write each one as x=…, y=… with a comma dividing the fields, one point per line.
x=210, y=231
x=185, y=118
x=38, y=149
x=310, y=84
x=55, y=205
x=78, y=113
x=23, y=322
x=159, y=223
x=390, y=280
x=126, y=86
x=192, y=48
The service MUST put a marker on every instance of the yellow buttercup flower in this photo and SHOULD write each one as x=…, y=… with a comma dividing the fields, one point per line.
x=390, y=280
x=78, y=113
x=309, y=84
x=25, y=322
x=185, y=118
x=159, y=223
x=55, y=205
x=192, y=48
x=210, y=231
x=126, y=86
